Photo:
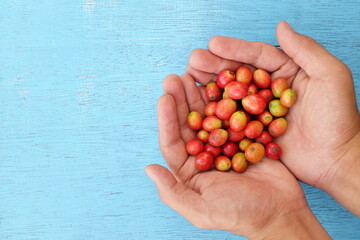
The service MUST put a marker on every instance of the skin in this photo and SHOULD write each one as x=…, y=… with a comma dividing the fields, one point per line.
x=319, y=150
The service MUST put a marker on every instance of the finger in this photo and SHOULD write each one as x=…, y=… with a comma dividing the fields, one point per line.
x=203, y=95
x=173, y=85
x=192, y=93
x=307, y=53
x=200, y=76
x=258, y=54
x=288, y=70
x=204, y=60
x=179, y=197
x=172, y=145
x=175, y=154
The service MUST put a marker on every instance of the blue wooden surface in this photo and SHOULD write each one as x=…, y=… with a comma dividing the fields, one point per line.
x=79, y=81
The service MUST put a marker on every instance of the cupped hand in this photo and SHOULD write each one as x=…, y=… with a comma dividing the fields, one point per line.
x=324, y=124
x=245, y=203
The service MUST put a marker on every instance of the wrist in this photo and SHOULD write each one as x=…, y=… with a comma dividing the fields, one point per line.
x=343, y=183
x=300, y=224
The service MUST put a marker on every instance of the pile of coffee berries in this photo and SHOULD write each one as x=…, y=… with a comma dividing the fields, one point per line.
x=246, y=111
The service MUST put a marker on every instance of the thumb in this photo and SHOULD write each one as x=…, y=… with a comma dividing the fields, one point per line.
x=307, y=53
x=176, y=195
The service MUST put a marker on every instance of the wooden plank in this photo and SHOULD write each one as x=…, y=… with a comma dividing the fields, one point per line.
x=79, y=81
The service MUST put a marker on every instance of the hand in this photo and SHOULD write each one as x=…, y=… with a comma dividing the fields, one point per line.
x=321, y=145
x=259, y=202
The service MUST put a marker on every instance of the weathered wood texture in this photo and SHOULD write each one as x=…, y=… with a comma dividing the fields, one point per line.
x=79, y=81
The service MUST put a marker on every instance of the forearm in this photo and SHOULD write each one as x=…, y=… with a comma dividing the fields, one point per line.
x=295, y=225
x=345, y=183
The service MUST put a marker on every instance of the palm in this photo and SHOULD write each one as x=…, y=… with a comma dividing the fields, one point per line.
x=248, y=200
x=315, y=131
x=263, y=189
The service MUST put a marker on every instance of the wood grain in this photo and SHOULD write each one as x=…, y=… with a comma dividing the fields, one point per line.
x=79, y=81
